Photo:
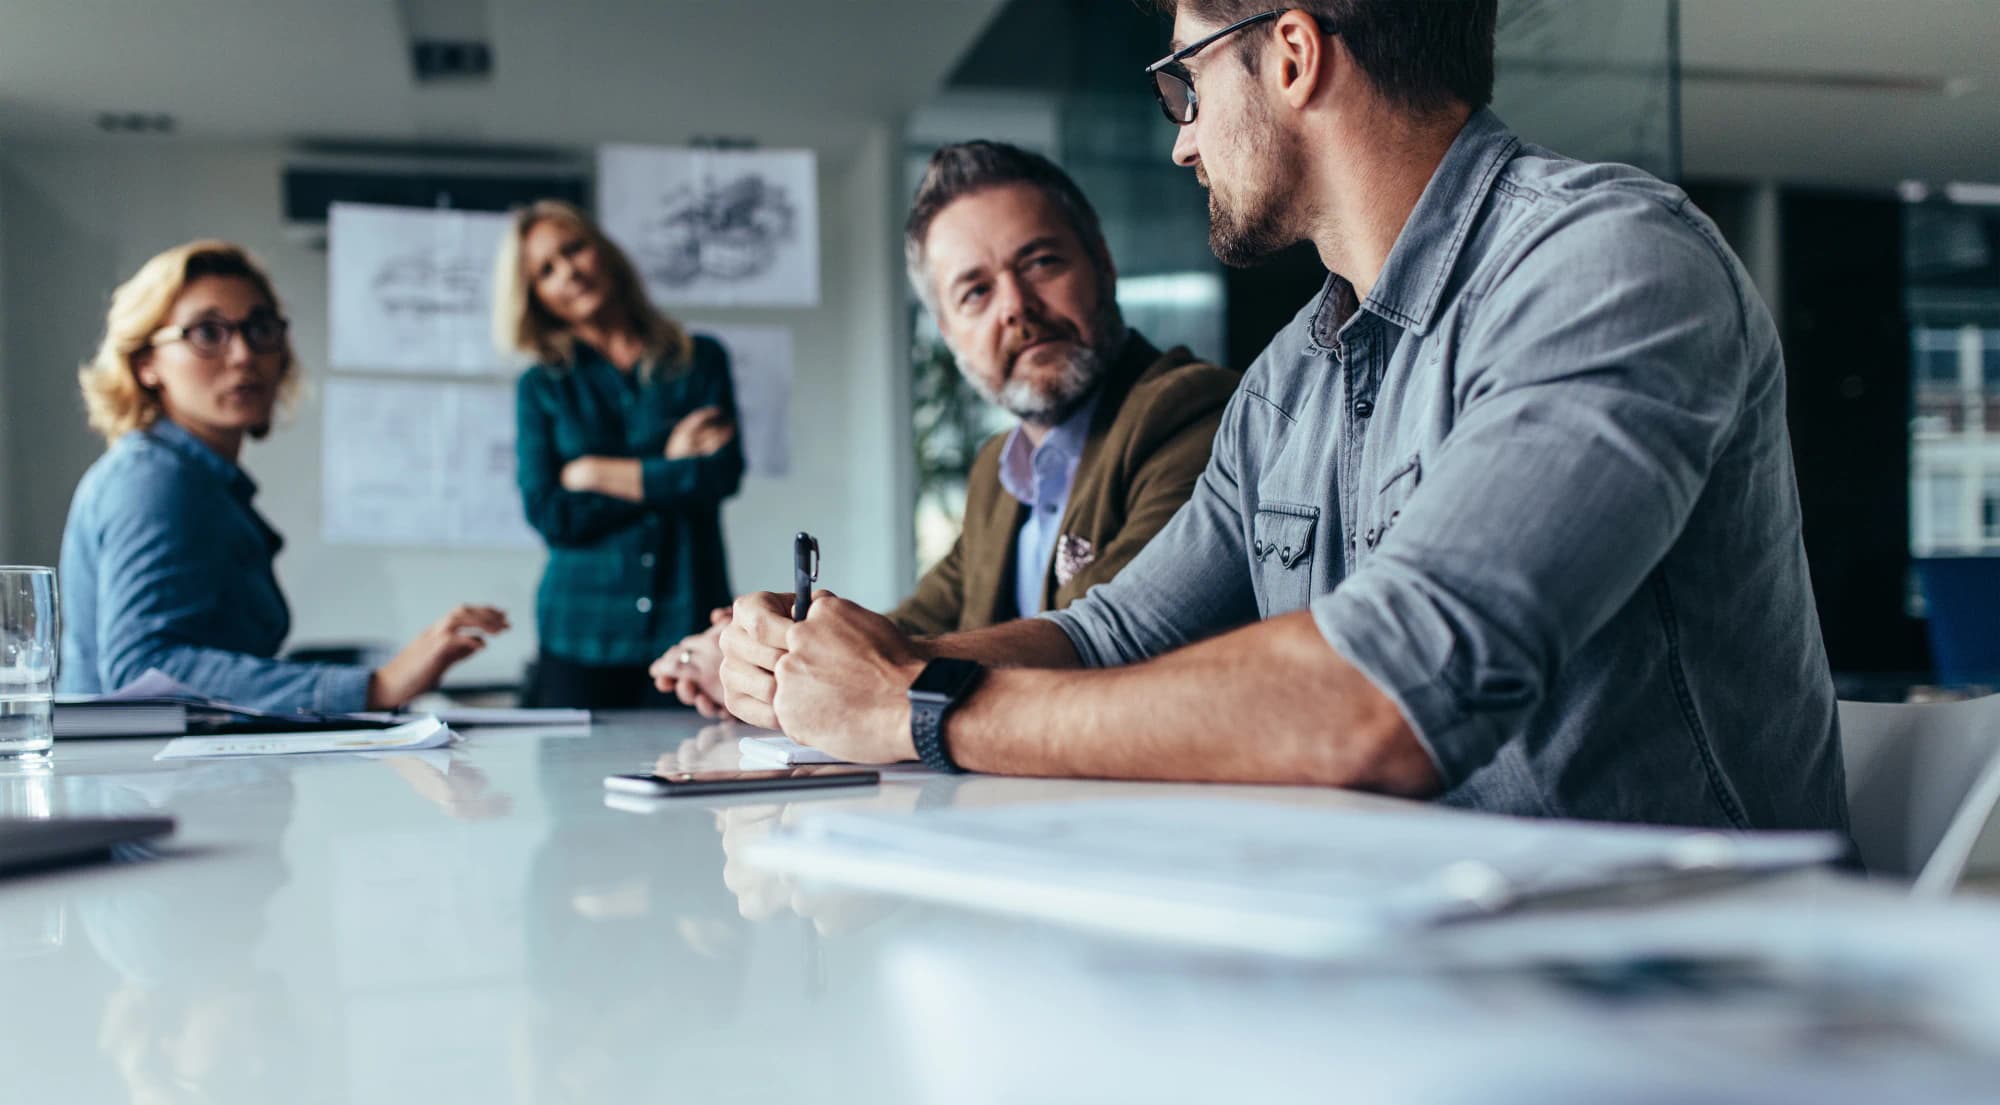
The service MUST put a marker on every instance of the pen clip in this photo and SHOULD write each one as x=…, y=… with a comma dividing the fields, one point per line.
x=812, y=548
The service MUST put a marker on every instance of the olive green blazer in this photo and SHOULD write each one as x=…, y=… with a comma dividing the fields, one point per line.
x=1149, y=441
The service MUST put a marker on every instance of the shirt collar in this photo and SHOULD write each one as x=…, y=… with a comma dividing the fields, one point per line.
x=171, y=436
x=1066, y=440
x=1414, y=276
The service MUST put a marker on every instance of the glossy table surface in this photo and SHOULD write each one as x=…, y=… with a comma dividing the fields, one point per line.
x=479, y=925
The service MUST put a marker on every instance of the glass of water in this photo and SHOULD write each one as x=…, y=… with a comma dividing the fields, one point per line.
x=30, y=636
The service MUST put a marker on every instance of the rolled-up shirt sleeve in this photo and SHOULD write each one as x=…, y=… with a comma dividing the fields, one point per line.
x=1597, y=394
x=1191, y=581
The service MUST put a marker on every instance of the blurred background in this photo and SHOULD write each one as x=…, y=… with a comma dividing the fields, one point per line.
x=1847, y=149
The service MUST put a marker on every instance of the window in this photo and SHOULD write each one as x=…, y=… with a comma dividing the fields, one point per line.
x=1944, y=494
x=1936, y=356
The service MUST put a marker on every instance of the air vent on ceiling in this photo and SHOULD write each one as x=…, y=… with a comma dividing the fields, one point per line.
x=451, y=60
x=135, y=122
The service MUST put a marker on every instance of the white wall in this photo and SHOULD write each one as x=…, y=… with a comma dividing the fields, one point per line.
x=7, y=469
x=81, y=218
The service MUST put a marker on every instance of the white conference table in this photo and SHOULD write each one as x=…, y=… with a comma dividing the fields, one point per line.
x=478, y=925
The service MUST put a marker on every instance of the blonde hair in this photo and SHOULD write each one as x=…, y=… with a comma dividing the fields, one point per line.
x=521, y=324
x=117, y=402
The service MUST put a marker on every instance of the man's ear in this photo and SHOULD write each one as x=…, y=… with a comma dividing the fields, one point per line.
x=1105, y=265
x=1301, y=57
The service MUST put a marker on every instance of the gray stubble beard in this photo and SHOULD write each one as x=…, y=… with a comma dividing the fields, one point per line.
x=1082, y=370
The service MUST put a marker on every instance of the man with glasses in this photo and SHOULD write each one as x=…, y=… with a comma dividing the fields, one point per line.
x=1505, y=516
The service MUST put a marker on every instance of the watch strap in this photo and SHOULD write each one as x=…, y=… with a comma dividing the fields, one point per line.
x=929, y=710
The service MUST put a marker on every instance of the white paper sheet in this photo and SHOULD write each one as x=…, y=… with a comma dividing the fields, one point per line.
x=410, y=290
x=761, y=367
x=423, y=733
x=1833, y=993
x=152, y=683
x=1266, y=877
x=715, y=228
x=780, y=752
x=422, y=463
x=472, y=717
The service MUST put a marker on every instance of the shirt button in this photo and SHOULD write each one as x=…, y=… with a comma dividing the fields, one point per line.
x=646, y=560
x=644, y=605
x=1363, y=408
x=1048, y=508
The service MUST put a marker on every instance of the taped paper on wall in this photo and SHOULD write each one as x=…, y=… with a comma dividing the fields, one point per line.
x=410, y=290
x=761, y=368
x=421, y=463
x=715, y=228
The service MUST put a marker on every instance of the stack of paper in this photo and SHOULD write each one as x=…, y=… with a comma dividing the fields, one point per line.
x=89, y=716
x=780, y=751
x=474, y=717
x=158, y=705
x=1279, y=879
x=424, y=733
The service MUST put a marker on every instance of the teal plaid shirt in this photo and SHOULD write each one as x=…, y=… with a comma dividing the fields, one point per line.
x=625, y=580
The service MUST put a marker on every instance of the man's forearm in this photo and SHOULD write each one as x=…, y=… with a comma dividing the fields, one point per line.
x=1269, y=703
x=1025, y=643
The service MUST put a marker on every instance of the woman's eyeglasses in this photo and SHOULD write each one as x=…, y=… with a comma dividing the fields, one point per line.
x=1173, y=85
x=262, y=331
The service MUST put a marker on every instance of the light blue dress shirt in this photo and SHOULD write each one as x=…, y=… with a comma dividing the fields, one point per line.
x=1040, y=477
x=165, y=564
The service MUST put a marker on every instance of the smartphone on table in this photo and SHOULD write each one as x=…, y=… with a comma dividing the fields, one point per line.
x=680, y=783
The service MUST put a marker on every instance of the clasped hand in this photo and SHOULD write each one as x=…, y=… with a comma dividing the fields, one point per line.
x=837, y=681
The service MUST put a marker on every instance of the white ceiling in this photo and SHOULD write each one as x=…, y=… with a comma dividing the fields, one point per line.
x=818, y=72
x=566, y=72
x=1814, y=126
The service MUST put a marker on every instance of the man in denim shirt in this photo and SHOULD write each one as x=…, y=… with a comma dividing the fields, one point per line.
x=1509, y=506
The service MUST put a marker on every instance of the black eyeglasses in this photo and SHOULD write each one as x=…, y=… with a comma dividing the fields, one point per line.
x=1173, y=85
x=262, y=331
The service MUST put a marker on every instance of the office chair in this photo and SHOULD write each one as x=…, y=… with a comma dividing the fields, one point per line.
x=1922, y=780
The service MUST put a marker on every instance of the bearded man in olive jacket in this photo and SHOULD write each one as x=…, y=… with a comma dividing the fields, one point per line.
x=1008, y=255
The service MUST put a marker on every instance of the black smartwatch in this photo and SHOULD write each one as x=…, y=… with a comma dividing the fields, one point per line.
x=942, y=684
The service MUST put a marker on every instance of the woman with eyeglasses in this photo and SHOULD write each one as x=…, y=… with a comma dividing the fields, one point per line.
x=165, y=564
x=625, y=447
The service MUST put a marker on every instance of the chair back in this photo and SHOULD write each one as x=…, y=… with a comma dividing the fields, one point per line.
x=1922, y=780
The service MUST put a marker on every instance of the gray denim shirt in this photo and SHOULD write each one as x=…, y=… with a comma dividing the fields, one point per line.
x=1538, y=488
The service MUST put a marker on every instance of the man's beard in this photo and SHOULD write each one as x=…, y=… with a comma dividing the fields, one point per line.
x=1076, y=377
x=1255, y=231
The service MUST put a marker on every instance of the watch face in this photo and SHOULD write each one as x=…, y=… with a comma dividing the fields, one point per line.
x=945, y=679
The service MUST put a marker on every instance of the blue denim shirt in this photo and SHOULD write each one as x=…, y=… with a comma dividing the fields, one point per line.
x=166, y=565
x=1538, y=488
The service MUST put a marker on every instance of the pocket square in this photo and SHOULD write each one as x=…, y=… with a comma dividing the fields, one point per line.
x=1073, y=554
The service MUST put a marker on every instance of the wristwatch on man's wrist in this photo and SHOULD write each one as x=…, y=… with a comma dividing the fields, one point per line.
x=942, y=685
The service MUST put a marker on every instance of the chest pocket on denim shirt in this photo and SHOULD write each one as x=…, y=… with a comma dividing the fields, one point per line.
x=1395, y=491
x=1281, y=549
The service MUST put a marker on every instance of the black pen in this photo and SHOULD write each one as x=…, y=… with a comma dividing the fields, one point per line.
x=805, y=570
